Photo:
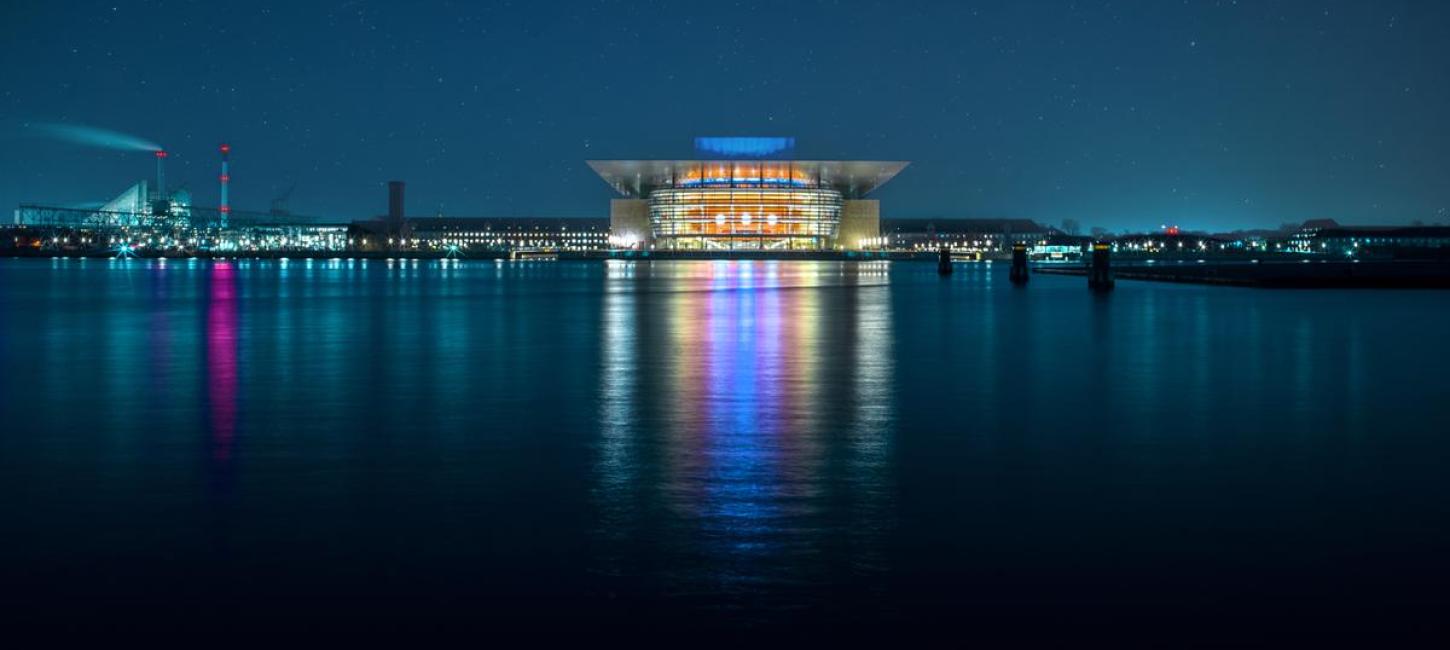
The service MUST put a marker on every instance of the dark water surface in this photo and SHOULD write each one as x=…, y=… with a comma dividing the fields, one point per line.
x=837, y=446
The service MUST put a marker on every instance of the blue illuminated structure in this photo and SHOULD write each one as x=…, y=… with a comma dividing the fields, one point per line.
x=752, y=147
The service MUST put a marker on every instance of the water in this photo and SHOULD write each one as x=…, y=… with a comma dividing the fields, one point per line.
x=758, y=445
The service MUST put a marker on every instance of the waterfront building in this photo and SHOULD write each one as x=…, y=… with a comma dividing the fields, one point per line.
x=1254, y=240
x=541, y=233
x=979, y=236
x=178, y=238
x=1395, y=241
x=396, y=232
x=1303, y=239
x=751, y=199
x=1175, y=242
x=315, y=238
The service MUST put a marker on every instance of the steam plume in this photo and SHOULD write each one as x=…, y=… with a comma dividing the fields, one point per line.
x=93, y=137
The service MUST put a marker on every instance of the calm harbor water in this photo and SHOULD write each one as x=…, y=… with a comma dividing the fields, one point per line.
x=753, y=444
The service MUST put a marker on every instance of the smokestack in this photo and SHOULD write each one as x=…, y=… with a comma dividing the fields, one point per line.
x=395, y=206
x=395, y=211
x=160, y=175
x=161, y=204
x=226, y=179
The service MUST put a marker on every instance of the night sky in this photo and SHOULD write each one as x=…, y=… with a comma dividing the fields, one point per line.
x=1209, y=114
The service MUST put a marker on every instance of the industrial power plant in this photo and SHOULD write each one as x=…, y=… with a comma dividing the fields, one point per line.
x=149, y=219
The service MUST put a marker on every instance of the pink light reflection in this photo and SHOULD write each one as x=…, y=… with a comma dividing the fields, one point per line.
x=221, y=359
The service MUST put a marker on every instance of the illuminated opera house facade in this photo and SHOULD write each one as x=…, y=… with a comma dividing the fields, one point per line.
x=743, y=196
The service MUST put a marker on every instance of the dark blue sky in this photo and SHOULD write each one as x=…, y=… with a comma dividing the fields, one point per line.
x=1209, y=114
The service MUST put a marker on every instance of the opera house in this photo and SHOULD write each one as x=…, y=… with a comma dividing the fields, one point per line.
x=742, y=195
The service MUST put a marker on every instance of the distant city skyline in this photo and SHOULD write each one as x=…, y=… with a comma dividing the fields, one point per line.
x=1213, y=116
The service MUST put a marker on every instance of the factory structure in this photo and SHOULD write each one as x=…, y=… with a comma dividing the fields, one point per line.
x=145, y=203
x=149, y=217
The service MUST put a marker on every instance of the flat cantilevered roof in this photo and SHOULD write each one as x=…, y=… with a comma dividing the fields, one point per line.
x=852, y=178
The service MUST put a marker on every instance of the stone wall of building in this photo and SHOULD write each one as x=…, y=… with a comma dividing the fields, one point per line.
x=860, y=222
x=629, y=221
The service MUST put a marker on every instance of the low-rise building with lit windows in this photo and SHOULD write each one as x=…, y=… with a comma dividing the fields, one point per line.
x=1380, y=240
x=984, y=236
x=556, y=234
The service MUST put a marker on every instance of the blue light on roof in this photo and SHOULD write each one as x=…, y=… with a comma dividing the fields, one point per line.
x=755, y=147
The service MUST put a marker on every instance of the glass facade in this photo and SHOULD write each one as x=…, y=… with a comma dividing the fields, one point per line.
x=725, y=218
x=744, y=205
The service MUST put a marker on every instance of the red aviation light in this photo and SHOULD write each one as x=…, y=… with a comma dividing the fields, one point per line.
x=160, y=153
x=224, y=209
x=225, y=178
x=226, y=148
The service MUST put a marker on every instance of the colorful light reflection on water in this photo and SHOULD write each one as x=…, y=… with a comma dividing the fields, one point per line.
x=221, y=360
x=758, y=414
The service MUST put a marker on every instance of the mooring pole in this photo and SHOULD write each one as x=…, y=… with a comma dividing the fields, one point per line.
x=1100, y=274
x=944, y=261
x=1019, y=264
